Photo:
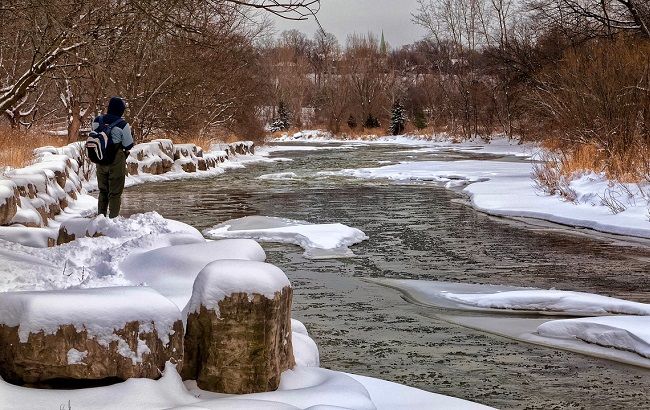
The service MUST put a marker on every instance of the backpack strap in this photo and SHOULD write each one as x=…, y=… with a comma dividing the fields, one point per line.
x=114, y=124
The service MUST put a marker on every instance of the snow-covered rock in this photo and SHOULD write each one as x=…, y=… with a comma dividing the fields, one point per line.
x=8, y=201
x=318, y=240
x=238, y=333
x=118, y=332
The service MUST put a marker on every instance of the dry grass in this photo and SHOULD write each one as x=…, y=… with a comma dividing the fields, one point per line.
x=17, y=146
x=629, y=166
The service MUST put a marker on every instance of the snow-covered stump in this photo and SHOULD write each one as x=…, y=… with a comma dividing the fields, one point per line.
x=238, y=334
x=94, y=334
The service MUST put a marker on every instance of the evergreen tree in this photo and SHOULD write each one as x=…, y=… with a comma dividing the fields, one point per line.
x=419, y=119
x=282, y=122
x=371, y=122
x=352, y=122
x=397, y=119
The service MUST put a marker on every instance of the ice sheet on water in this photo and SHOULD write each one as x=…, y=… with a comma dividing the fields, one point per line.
x=514, y=299
x=320, y=241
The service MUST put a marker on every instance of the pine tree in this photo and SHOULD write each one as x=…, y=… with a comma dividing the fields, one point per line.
x=352, y=122
x=282, y=122
x=397, y=119
x=419, y=119
x=371, y=122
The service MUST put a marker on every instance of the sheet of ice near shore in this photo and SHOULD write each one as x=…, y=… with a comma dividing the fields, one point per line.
x=318, y=240
x=507, y=189
x=467, y=296
x=574, y=303
x=619, y=332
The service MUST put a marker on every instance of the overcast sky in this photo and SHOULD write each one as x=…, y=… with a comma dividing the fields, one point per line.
x=344, y=17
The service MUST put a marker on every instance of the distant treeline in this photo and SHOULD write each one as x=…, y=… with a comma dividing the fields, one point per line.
x=572, y=70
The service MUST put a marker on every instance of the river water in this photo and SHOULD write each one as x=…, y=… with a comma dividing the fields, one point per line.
x=422, y=231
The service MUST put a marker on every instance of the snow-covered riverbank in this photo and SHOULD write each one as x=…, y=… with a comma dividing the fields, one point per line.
x=506, y=187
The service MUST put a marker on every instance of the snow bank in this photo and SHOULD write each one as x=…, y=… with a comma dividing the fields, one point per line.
x=90, y=262
x=173, y=270
x=305, y=350
x=624, y=333
x=318, y=240
x=507, y=189
x=393, y=396
x=302, y=388
x=222, y=278
x=573, y=303
x=98, y=311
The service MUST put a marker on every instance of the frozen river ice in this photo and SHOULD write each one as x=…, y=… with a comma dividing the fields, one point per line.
x=421, y=231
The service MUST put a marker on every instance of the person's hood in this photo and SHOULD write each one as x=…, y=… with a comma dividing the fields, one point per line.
x=116, y=107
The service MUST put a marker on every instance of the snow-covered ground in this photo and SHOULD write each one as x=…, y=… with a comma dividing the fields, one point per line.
x=319, y=240
x=302, y=388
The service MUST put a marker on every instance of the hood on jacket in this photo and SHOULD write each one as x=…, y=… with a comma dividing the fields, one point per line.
x=116, y=106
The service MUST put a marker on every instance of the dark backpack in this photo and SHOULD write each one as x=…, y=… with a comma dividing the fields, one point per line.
x=100, y=147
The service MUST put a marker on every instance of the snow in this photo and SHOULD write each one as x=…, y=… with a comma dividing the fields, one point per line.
x=318, y=240
x=222, y=278
x=87, y=262
x=32, y=237
x=172, y=270
x=76, y=357
x=99, y=311
x=6, y=190
x=573, y=303
x=504, y=188
x=305, y=350
x=391, y=396
x=618, y=332
x=510, y=299
x=624, y=338
x=301, y=388
x=280, y=176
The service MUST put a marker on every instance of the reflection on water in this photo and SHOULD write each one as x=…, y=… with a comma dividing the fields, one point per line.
x=421, y=231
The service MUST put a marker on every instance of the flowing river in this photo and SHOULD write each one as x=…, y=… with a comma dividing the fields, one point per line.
x=422, y=231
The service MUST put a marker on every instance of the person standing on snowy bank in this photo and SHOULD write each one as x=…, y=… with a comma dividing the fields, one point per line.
x=110, y=177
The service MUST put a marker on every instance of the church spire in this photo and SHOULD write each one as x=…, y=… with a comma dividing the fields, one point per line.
x=382, y=46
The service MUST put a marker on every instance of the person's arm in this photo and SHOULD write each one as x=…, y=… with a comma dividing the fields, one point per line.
x=127, y=138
